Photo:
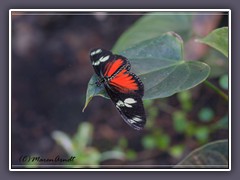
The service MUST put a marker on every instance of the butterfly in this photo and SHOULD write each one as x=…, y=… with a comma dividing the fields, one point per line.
x=124, y=88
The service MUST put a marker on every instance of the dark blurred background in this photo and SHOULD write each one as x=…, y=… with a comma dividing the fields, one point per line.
x=50, y=73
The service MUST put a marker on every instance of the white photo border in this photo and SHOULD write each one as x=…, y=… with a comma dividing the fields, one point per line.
x=36, y=12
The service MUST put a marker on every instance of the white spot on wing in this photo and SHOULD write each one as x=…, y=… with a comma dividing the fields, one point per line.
x=131, y=121
x=129, y=101
x=96, y=52
x=103, y=59
x=137, y=119
x=92, y=53
x=120, y=103
x=128, y=105
x=96, y=63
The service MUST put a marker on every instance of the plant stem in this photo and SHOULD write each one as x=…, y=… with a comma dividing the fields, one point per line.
x=217, y=90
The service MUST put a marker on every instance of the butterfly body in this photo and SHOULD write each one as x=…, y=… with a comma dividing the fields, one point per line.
x=123, y=87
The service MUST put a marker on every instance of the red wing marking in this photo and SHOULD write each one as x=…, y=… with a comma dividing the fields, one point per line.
x=112, y=67
x=124, y=82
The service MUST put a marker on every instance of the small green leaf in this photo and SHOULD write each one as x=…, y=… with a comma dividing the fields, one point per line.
x=211, y=155
x=179, y=121
x=148, y=142
x=202, y=134
x=160, y=65
x=206, y=114
x=153, y=25
x=83, y=137
x=90, y=157
x=223, y=81
x=185, y=100
x=190, y=130
x=217, y=39
x=163, y=141
x=176, y=151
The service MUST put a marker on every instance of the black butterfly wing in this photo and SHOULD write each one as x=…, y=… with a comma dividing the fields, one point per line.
x=130, y=107
x=106, y=64
x=126, y=91
x=123, y=87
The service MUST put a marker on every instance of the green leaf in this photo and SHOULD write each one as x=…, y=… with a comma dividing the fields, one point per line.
x=90, y=157
x=217, y=62
x=190, y=130
x=185, y=100
x=180, y=121
x=202, y=133
x=153, y=25
x=211, y=155
x=83, y=137
x=64, y=140
x=223, y=81
x=176, y=151
x=148, y=142
x=93, y=90
x=163, y=141
x=206, y=114
x=217, y=39
x=160, y=65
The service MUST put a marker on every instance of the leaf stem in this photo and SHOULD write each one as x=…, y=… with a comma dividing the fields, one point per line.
x=217, y=90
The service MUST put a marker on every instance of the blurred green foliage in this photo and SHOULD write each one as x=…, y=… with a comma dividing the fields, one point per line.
x=198, y=126
x=157, y=140
x=79, y=146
